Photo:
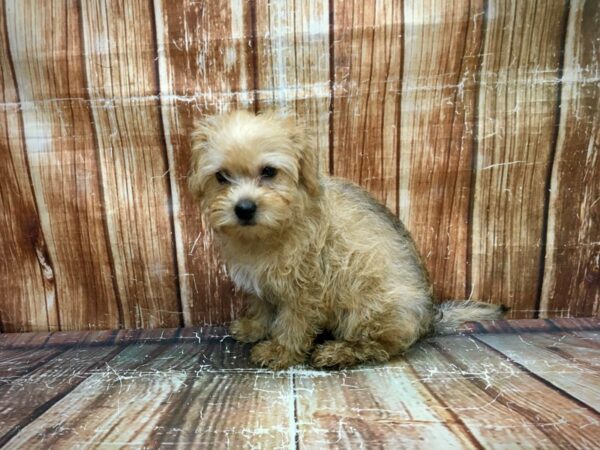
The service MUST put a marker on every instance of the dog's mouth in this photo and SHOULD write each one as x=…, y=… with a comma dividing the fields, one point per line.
x=247, y=223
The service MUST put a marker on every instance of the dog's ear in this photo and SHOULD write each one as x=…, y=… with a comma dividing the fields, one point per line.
x=310, y=170
x=201, y=131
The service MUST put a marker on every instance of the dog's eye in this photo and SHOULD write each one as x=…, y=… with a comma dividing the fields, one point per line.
x=268, y=172
x=221, y=178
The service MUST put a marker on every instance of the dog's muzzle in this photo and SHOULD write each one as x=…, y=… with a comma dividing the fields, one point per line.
x=245, y=210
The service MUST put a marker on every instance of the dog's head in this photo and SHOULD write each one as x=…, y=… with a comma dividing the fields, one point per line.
x=253, y=174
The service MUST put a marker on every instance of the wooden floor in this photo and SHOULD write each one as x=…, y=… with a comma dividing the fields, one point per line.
x=515, y=384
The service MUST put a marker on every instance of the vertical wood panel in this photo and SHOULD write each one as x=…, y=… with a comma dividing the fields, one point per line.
x=119, y=45
x=293, y=63
x=25, y=270
x=45, y=44
x=205, y=66
x=442, y=42
x=572, y=265
x=517, y=115
x=367, y=51
x=448, y=114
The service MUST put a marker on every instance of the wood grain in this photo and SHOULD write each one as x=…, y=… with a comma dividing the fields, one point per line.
x=193, y=387
x=516, y=326
x=62, y=162
x=442, y=42
x=160, y=391
x=91, y=421
x=119, y=42
x=292, y=63
x=14, y=364
x=24, y=398
x=25, y=270
x=367, y=72
x=183, y=349
x=373, y=408
x=516, y=120
x=541, y=353
x=572, y=260
x=245, y=411
x=497, y=401
x=205, y=66
x=22, y=340
x=174, y=409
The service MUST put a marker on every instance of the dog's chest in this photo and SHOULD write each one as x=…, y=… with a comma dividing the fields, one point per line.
x=246, y=279
x=267, y=284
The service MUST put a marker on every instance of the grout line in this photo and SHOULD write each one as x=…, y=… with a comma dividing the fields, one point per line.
x=100, y=172
x=398, y=121
x=165, y=156
x=294, y=431
x=459, y=93
x=331, y=84
x=551, y=165
x=254, y=54
x=474, y=155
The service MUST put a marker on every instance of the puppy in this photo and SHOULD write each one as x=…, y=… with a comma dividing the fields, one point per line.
x=312, y=253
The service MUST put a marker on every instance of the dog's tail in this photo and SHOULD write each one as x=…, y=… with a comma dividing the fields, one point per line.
x=450, y=315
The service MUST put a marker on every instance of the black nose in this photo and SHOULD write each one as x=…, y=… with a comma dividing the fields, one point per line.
x=245, y=209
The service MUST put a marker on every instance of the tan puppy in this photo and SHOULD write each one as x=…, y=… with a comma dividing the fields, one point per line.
x=313, y=253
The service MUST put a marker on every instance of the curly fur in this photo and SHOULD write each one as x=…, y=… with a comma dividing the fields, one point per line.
x=321, y=255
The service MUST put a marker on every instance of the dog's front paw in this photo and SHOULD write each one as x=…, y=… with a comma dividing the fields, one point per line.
x=346, y=354
x=247, y=331
x=332, y=354
x=274, y=356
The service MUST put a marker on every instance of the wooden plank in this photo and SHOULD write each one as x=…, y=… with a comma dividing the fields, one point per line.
x=574, y=324
x=205, y=66
x=532, y=325
x=44, y=42
x=292, y=43
x=237, y=410
x=22, y=353
x=373, y=408
x=23, y=399
x=167, y=398
x=367, y=72
x=566, y=361
x=171, y=409
x=16, y=363
x=118, y=41
x=25, y=275
x=188, y=349
x=502, y=405
x=572, y=269
x=23, y=340
x=592, y=337
x=442, y=43
x=517, y=114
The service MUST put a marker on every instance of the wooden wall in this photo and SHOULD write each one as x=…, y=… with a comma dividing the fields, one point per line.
x=476, y=121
